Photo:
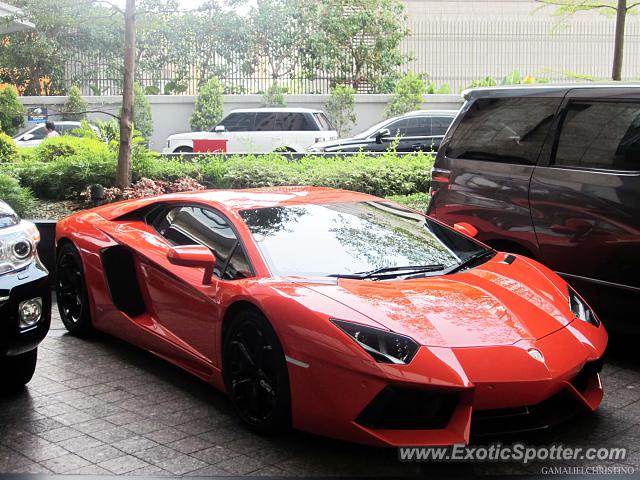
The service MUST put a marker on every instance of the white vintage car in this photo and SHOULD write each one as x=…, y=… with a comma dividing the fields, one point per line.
x=258, y=130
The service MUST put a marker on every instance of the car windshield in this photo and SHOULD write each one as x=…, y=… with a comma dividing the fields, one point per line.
x=352, y=237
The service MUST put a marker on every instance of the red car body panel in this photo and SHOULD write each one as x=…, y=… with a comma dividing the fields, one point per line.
x=476, y=327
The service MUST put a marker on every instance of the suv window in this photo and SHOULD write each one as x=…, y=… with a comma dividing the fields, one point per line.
x=323, y=121
x=238, y=122
x=507, y=130
x=291, y=121
x=602, y=135
x=265, y=122
x=201, y=226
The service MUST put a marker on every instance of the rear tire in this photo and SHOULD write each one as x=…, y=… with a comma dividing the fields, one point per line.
x=18, y=370
x=71, y=292
x=255, y=373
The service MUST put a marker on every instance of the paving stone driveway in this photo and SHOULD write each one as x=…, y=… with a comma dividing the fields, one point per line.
x=103, y=407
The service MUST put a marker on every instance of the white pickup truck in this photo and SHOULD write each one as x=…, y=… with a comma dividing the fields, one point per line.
x=258, y=130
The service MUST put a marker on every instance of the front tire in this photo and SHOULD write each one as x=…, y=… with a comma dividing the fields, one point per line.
x=183, y=150
x=17, y=371
x=255, y=373
x=71, y=292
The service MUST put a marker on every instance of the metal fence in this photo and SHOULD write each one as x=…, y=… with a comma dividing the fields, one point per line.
x=451, y=50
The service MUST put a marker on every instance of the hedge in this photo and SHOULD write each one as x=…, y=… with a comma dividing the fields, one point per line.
x=63, y=167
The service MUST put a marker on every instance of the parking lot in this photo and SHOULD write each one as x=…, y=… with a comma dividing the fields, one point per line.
x=104, y=407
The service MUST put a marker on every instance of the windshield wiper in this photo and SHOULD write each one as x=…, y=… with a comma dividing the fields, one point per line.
x=390, y=271
x=469, y=261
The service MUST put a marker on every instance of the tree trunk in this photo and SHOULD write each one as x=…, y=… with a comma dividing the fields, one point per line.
x=618, y=52
x=123, y=176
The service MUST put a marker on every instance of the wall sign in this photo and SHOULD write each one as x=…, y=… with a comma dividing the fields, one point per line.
x=37, y=114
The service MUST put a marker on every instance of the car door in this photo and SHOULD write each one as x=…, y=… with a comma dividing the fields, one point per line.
x=585, y=198
x=180, y=303
x=417, y=135
x=264, y=138
x=397, y=131
x=482, y=174
x=238, y=127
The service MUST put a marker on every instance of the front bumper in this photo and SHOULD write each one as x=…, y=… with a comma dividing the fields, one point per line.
x=449, y=395
x=30, y=282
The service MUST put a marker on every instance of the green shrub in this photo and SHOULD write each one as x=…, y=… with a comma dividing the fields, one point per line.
x=12, y=112
x=341, y=108
x=142, y=117
x=207, y=111
x=408, y=95
x=417, y=201
x=274, y=96
x=75, y=108
x=8, y=150
x=68, y=146
x=19, y=198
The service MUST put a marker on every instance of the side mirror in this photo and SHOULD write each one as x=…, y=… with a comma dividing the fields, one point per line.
x=220, y=129
x=384, y=132
x=196, y=256
x=466, y=228
x=26, y=137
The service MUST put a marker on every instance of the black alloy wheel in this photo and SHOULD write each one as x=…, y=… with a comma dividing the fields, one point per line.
x=255, y=373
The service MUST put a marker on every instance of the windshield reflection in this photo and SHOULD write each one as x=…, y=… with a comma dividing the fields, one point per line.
x=351, y=237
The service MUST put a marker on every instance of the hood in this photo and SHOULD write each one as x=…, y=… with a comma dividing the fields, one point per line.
x=8, y=217
x=188, y=135
x=494, y=304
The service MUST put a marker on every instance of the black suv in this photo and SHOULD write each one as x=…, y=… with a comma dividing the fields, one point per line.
x=421, y=130
x=25, y=299
x=553, y=173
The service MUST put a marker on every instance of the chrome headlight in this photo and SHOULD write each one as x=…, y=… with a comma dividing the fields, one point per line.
x=581, y=310
x=18, y=246
x=382, y=345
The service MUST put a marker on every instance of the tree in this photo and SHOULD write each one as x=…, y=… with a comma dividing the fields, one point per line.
x=619, y=8
x=207, y=111
x=142, y=117
x=123, y=174
x=274, y=96
x=12, y=112
x=341, y=108
x=278, y=34
x=75, y=107
x=408, y=95
x=34, y=60
x=357, y=40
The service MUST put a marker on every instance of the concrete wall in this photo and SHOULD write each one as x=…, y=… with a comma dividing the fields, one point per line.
x=171, y=113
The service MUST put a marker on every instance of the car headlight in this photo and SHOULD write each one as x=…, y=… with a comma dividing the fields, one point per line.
x=316, y=149
x=18, y=246
x=382, y=345
x=581, y=310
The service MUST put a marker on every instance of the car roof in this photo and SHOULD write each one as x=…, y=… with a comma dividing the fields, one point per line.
x=246, y=199
x=276, y=109
x=432, y=113
x=522, y=90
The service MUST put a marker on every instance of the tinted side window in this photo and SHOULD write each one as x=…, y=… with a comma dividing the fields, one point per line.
x=290, y=121
x=440, y=125
x=238, y=122
x=399, y=128
x=199, y=226
x=419, y=127
x=265, y=122
x=602, y=135
x=507, y=130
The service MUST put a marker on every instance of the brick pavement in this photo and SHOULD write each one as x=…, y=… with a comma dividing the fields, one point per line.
x=104, y=407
